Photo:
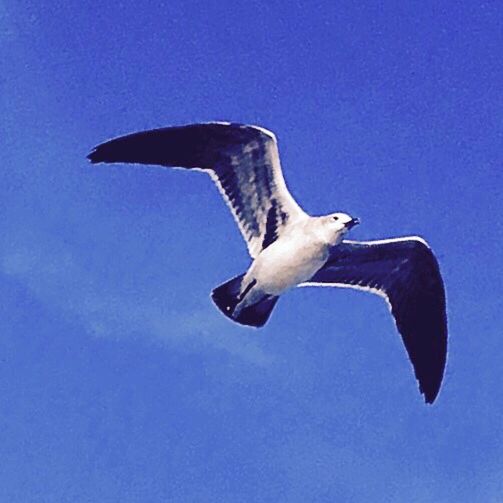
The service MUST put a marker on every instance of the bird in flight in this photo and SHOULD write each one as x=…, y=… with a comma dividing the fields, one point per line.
x=290, y=248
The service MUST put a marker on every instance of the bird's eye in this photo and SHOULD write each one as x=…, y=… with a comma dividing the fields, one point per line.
x=335, y=218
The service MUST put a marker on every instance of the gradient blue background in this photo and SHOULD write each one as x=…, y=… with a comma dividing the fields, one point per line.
x=119, y=380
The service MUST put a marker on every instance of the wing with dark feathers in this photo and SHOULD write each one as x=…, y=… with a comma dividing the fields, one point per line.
x=406, y=273
x=242, y=160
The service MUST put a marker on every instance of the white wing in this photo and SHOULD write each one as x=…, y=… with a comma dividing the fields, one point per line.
x=406, y=273
x=242, y=160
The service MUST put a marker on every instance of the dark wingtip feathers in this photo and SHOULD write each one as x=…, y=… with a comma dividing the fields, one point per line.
x=430, y=394
x=116, y=150
x=93, y=156
x=191, y=146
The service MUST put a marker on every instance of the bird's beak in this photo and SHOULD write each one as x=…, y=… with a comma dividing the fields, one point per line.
x=352, y=223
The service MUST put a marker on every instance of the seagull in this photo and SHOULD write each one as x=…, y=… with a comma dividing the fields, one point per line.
x=290, y=248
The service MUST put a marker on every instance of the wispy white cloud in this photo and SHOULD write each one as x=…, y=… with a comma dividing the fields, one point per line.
x=55, y=274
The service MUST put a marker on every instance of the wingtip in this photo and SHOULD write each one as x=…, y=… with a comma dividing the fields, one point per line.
x=430, y=385
x=428, y=400
x=430, y=396
x=92, y=157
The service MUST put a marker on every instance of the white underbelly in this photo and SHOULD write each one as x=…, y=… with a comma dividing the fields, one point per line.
x=284, y=265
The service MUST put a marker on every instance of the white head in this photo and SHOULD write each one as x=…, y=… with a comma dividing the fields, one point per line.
x=336, y=225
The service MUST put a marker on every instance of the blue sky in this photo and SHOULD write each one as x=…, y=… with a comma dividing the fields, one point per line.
x=119, y=380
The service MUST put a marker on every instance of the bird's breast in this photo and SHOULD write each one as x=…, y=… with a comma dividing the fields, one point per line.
x=288, y=262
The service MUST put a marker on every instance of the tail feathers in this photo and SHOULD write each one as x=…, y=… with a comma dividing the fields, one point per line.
x=257, y=314
x=227, y=297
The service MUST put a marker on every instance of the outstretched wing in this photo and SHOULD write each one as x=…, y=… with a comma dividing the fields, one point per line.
x=406, y=273
x=242, y=160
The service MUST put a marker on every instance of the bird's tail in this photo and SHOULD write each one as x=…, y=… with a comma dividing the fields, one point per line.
x=228, y=295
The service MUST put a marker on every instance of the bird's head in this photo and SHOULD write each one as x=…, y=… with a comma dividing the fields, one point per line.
x=336, y=225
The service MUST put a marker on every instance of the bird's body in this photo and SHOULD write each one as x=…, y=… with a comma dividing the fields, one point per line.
x=290, y=248
x=292, y=259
